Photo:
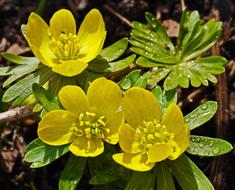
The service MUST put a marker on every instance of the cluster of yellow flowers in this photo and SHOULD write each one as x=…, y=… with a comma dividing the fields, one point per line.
x=104, y=114
x=145, y=134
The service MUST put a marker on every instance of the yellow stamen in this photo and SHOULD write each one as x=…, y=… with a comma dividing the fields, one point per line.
x=65, y=47
x=91, y=126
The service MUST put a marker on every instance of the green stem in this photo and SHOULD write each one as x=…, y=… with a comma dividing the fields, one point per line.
x=41, y=7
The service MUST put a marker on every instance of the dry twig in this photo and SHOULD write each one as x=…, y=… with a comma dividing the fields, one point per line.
x=15, y=114
x=118, y=15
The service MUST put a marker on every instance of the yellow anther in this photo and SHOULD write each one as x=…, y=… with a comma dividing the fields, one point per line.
x=81, y=123
x=81, y=116
x=67, y=44
x=90, y=114
x=87, y=132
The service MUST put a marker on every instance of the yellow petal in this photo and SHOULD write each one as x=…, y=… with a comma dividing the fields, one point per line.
x=127, y=140
x=140, y=105
x=137, y=162
x=73, y=99
x=173, y=119
x=159, y=152
x=70, y=68
x=62, y=21
x=92, y=34
x=87, y=147
x=182, y=140
x=38, y=39
x=45, y=56
x=105, y=95
x=113, y=123
x=37, y=31
x=56, y=127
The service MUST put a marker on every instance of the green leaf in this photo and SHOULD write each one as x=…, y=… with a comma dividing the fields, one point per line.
x=41, y=154
x=141, y=180
x=188, y=175
x=157, y=27
x=157, y=75
x=158, y=93
x=198, y=72
x=41, y=95
x=165, y=97
x=57, y=81
x=20, y=59
x=206, y=37
x=146, y=63
x=103, y=62
x=207, y=146
x=25, y=85
x=178, y=66
x=169, y=96
x=86, y=77
x=164, y=178
x=130, y=79
x=20, y=71
x=142, y=81
x=4, y=71
x=102, y=66
x=188, y=23
x=72, y=173
x=115, y=50
x=201, y=114
x=107, y=175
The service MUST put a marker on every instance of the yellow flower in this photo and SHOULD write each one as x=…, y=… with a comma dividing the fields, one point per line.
x=148, y=137
x=88, y=119
x=59, y=47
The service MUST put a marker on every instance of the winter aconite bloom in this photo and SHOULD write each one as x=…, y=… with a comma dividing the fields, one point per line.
x=148, y=136
x=87, y=120
x=60, y=47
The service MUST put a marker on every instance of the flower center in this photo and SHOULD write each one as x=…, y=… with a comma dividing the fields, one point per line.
x=65, y=47
x=153, y=132
x=91, y=126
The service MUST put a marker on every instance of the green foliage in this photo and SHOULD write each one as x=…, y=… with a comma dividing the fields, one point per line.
x=188, y=175
x=206, y=146
x=201, y=114
x=164, y=177
x=72, y=173
x=42, y=97
x=141, y=180
x=134, y=78
x=105, y=62
x=165, y=97
x=40, y=154
x=23, y=88
x=179, y=65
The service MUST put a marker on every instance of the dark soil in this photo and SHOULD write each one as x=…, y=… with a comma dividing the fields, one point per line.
x=15, y=174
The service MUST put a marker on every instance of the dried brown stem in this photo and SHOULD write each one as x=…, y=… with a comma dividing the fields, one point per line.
x=192, y=97
x=15, y=114
x=219, y=170
x=118, y=15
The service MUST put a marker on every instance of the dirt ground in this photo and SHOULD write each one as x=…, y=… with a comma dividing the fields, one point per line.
x=15, y=174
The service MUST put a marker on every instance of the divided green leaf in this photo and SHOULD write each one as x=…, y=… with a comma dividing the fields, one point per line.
x=180, y=65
